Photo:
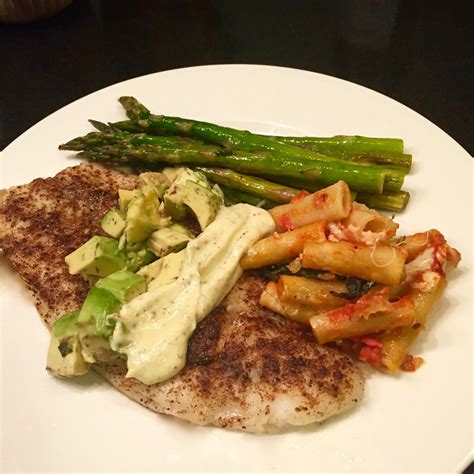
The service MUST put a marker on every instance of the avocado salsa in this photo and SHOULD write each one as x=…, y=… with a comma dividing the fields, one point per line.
x=152, y=280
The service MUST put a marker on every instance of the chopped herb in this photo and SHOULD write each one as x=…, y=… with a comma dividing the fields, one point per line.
x=355, y=288
x=273, y=272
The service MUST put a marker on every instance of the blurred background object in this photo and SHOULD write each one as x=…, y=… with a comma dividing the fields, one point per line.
x=25, y=11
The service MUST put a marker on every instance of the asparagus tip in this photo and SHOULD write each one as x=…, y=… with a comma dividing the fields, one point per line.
x=135, y=110
x=101, y=126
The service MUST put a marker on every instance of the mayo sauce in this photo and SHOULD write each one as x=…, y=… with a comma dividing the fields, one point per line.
x=153, y=329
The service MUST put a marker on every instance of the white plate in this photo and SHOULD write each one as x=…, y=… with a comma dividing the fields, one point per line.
x=412, y=422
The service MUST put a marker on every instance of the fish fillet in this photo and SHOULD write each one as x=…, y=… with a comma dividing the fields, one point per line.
x=247, y=368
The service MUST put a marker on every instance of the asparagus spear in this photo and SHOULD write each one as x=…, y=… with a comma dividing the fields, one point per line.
x=234, y=196
x=373, y=157
x=394, y=179
x=393, y=182
x=365, y=178
x=124, y=125
x=381, y=158
x=400, y=160
x=95, y=139
x=246, y=185
x=389, y=201
x=152, y=155
x=250, y=184
x=349, y=143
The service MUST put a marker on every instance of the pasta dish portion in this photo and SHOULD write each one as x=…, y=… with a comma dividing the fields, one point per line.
x=340, y=268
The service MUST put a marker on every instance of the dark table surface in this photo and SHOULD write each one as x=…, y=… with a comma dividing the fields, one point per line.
x=417, y=52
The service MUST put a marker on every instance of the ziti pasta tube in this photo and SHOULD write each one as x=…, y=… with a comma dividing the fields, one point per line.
x=367, y=219
x=396, y=344
x=424, y=301
x=281, y=247
x=383, y=264
x=310, y=291
x=371, y=313
x=297, y=312
x=329, y=204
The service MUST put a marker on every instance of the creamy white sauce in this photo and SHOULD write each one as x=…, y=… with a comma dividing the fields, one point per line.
x=153, y=329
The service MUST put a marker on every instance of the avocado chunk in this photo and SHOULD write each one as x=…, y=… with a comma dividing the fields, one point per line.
x=70, y=364
x=171, y=173
x=99, y=303
x=95, y=348
x=124, y=285
x=203, y=202
x=65, y=358
x=66, y=325
x=169, y=239
x=143, y=215
x=94, y=325
x=173, y=198
x=99, y=256
x=139, y=258
x=163, y=271
x=125, y=197
x=113, y=223
x=191, y=190
x=151, y=178
x=106, y=298
x=152, y=270
x=80, y=338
